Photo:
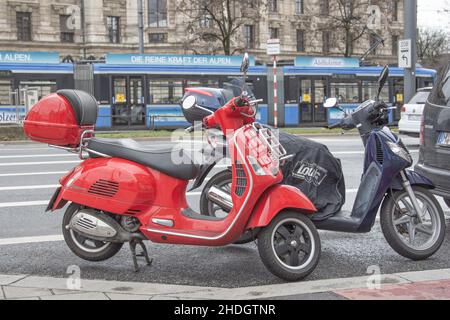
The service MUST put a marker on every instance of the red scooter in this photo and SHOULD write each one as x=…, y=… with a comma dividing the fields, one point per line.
x=125, y=193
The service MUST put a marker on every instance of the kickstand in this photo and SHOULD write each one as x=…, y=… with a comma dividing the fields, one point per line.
x=144, y=253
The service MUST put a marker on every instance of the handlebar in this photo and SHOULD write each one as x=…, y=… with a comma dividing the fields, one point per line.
x=198, y=126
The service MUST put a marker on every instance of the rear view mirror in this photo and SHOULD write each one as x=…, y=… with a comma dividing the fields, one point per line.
x=382, y=79
x=245, y=63
x=330, y=103
x=189, y=102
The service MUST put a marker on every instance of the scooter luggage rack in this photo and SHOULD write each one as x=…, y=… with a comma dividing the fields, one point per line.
x=82, y=146
x=276, y=150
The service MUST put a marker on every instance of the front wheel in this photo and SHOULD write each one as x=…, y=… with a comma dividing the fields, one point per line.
x=83, y=247
x=289, y=246
x=414, y=236
x=447, y=202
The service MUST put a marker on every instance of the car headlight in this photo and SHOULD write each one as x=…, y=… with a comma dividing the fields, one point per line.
x=398, y=150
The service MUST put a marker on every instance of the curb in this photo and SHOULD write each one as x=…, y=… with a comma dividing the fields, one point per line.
x=341, y=287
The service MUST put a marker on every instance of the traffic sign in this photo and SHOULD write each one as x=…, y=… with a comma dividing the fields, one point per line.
x=404, y=53
x=273, y=47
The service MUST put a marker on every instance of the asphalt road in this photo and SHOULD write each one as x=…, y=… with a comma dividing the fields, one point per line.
x=28, y=173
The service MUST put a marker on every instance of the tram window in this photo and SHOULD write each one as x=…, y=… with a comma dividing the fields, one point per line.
x=5, y=92
x=370, y=89
x=36, y=89
x=120, y=90
x=165, y=91
x=346, y=92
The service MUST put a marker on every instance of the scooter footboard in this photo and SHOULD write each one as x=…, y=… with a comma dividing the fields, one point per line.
x=276, y=199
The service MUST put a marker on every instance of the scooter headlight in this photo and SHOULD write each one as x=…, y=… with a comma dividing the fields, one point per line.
x=400, y=151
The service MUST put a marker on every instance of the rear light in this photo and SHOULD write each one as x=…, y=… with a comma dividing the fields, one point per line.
x=422, y=129
x=403, y=109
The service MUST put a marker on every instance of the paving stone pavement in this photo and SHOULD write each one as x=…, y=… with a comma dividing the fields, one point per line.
x=430, y=284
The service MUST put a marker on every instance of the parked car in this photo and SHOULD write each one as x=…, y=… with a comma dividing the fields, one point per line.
x=434, y=157
x=411, y=113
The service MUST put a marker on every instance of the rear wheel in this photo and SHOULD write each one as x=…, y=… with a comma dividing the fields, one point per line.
x=83, y=247
x=414, y=236
x=290, y=246
x=221, y=180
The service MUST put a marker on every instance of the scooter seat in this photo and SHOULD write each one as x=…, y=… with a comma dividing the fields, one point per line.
x=173, y=161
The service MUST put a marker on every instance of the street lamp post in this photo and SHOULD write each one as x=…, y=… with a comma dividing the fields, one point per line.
x=410, y=32
x=141, y=26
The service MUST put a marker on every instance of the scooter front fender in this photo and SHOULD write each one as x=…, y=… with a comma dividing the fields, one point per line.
x=276, y=199
x=415, y=179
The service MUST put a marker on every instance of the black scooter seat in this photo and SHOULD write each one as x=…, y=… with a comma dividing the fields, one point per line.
x=173, y=161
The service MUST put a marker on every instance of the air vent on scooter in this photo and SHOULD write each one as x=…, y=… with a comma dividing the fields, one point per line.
x=104, y=188
x=241, y=180
x=380, y=155
x=133, y=211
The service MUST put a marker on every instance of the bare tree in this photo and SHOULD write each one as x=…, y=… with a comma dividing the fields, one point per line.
x=348, y=20
x=431, y=44
x=219, y=23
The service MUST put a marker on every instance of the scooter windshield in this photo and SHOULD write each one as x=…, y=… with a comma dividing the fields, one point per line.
x=237, y=86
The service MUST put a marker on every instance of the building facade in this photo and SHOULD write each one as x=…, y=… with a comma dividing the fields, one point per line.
x=85, y=29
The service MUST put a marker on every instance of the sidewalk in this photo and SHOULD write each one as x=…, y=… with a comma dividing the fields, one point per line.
x=431, y=284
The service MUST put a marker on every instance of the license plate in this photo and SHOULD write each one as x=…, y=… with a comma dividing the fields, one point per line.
x=415, y=117
x=444, y=139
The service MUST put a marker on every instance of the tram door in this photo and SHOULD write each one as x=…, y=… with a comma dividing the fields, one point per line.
x=128, y=108
x=312, y=96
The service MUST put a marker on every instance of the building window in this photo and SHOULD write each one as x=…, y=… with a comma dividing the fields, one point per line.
x=157, y=38
x=157, y=13
x=298, y=6
x=23, y=26
x=66, y=28
x=326, y=38
x=373, y=42
x=394, y=45
x=273, y=6
x=249, y=36
x=395, y=10
x=273, y=33
x=325, y=7
x=113, y=24
x=300, y=41
x=205, y=21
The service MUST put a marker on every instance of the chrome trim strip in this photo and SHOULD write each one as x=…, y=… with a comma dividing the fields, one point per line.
x=163, y=222
x=240, y=210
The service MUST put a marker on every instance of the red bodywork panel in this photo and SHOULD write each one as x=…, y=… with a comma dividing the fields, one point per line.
x=52, y=120
x=276, y=199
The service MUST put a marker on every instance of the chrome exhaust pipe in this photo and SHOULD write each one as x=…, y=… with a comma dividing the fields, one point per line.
x=220, y=197
x=99, y=226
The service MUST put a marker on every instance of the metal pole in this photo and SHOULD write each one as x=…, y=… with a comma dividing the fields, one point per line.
x=275, y=94
x=83, y=27
x=410, y=32
x=141, y=26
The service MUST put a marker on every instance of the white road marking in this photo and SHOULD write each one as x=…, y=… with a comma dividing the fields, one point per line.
x=39, y=155
x=43, y=186
x=22, y=149
x=361, y=152
x=32, y=173
x=23, y=204
x=22, y=240
x=37, y=163
x=45, y=202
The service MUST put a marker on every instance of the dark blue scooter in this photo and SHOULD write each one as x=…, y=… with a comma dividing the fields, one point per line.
x=411, y=218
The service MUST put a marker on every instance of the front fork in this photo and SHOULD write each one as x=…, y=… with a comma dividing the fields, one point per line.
x=407, y=185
